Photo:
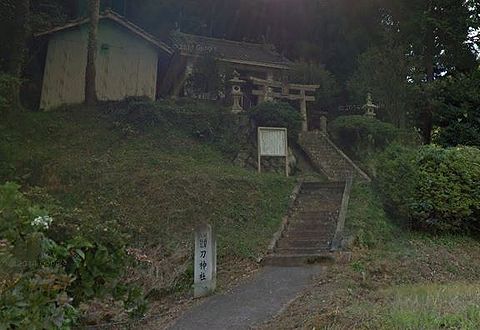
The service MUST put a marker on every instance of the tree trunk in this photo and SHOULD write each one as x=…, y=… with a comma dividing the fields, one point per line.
x=18, y=49
x=430, y=75
x=90, y=71
x=428, y=111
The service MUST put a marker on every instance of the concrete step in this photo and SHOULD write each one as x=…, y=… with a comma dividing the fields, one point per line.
x=320, y=216
x=319, y=204
x=310, y=225
x=298, y=260
x=311, y=207
x=321, y=191
x=311, y=228
x=300, y=233
x=296, y=221
x=298, y=243
x=302, y=250
x=316, y=186
x=323, y=197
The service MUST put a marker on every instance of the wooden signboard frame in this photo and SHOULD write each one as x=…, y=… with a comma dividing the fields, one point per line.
x=283, y=148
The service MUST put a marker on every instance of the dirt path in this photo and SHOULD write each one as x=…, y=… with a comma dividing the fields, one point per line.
x=251, y=303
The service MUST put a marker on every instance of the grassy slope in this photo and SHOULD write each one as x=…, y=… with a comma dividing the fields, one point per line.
x=395, y=280
x=154, y=186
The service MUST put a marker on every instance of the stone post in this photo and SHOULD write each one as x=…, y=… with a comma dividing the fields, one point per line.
x=323, y=124
x=205, y=267
x=303, y=111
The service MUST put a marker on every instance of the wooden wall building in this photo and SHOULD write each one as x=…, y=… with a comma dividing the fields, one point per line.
x=127, y=62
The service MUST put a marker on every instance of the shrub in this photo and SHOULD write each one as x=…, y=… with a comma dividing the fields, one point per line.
x=42, y=281
x=133, y=113
x=200, y=119
x=7, y=85
x=361, y=136
x=277, y=114
x=432, y=188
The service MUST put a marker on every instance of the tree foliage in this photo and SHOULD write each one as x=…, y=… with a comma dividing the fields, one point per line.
x=458, y=116
x=383, y=71
x=316, y=74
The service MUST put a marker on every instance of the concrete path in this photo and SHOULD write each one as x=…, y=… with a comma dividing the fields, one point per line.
x=251, y=303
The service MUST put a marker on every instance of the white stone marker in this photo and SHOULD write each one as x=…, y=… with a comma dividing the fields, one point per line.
x=205, y=274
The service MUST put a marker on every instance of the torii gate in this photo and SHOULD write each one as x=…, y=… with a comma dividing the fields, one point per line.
x=269, y=91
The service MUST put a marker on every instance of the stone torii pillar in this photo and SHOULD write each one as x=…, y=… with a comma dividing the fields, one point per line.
x=303, y=110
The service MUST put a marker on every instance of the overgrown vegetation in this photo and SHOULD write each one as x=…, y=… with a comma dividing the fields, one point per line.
x=458, y=115
x=277, y=114
x=361, y=136
x=143, y=174
x=8, y=83
x=432, y=188
x=366, y=218
x=44, y=281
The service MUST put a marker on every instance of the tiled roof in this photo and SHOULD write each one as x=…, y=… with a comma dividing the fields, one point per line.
x=231, y=51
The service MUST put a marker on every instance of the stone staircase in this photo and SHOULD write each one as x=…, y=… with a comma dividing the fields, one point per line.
x=327, y=158
x=310, y=228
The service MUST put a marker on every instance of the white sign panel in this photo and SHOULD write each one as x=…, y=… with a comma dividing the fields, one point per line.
x=272, y=141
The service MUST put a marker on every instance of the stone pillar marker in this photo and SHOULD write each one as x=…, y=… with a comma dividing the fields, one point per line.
x=303, y=110
x=205, y=261
x=323, y=122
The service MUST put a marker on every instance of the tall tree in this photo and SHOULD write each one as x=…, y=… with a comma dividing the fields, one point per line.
x=16, y=21
x=90, y=71
x=435, y=32
x=383, y=71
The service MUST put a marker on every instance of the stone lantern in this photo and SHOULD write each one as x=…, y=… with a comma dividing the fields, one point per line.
x=370, y=107
x=237, y=93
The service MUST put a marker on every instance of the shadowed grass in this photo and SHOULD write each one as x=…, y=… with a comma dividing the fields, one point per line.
x=153, y=185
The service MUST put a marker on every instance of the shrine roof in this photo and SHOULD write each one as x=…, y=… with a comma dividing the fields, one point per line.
x=229, y=51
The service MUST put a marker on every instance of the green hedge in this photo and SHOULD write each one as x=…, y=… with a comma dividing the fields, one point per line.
x=277, y=114
x=432, y=188
x=361, y=136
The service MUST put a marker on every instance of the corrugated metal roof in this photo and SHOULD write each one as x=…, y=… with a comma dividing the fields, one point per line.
x=110, y=15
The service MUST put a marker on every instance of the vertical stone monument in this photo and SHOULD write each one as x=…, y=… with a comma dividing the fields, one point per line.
x=205, y=267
